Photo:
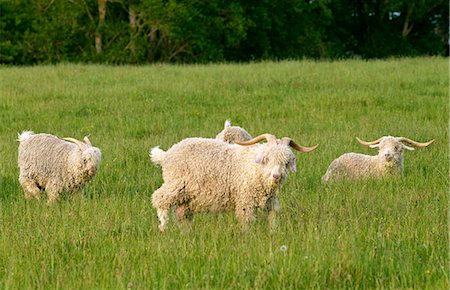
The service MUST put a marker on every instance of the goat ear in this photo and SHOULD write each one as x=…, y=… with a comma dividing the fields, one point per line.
x=293, y=165
x=374, y=145
x=260, y=157
x=408, y=148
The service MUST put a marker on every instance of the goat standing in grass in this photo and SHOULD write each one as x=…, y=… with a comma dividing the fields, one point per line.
x=54, y=164
x=209, y=175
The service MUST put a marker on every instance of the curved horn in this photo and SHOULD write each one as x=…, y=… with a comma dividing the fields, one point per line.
x=369, y=143
x=78, y=142
x=86, y=140
x=300, y=148
x=269, y=137
x=414, y=143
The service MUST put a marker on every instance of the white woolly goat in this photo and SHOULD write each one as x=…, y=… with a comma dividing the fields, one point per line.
x=209, y=175
x=54, y=164
x=231, y=134
x=389, y=160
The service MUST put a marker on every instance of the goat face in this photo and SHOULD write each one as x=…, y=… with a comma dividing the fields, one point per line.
x=86, y=160
x=277, y=161
x=90, y=159
x=276, y=155
x=391, y=149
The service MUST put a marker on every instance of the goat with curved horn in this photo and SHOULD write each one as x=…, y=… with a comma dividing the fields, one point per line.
x=48, y=162
x=202, y=174
x=388, y=162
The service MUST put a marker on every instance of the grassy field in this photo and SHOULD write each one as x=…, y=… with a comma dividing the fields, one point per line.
x=372, y=234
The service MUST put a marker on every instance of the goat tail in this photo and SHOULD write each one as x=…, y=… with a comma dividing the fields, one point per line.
x=157, y=155
x=24, y=136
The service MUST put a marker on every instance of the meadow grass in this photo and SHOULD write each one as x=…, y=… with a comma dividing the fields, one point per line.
x=367, y=234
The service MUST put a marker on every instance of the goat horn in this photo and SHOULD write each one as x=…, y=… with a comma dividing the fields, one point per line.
x=86, y=140
x=414, y=143
x=300, y=148
x=78, y=142
x=269, y=137
x=369, y=143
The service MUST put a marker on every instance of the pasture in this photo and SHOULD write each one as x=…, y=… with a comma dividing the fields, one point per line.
x=366, y=234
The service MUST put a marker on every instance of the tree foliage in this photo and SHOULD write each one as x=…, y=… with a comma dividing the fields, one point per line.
x=148, y=31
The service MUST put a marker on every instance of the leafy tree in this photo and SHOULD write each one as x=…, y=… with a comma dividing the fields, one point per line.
x=380, y=28
x=138, y=31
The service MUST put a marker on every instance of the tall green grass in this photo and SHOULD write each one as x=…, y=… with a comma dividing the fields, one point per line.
x=367, y=234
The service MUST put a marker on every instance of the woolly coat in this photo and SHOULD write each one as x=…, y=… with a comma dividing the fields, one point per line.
x=55, y=164
x=211, y=175
x=357, y=166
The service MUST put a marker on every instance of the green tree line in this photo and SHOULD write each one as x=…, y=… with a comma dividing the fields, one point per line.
x=187, y=31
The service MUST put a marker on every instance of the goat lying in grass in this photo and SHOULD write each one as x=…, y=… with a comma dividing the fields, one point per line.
x=389, y=160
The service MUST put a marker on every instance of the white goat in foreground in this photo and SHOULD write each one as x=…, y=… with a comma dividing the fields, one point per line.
x=231, y=134
x=208, y=175
x=54, y=164
x=389, y=160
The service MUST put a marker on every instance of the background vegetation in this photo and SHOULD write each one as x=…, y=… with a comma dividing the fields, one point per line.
x=372, y=234
x=188, y=31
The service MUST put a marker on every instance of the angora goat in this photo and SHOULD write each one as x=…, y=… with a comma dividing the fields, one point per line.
x=54, y=164
x=231, y=134
x=389, y=160
x=208, y=175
